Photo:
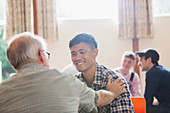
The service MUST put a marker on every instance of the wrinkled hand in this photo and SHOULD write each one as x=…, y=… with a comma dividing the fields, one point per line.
x=117, y=86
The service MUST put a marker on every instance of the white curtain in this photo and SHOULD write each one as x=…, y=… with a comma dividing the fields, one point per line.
x=135, y=19
x=18, y=17
x=46, y=19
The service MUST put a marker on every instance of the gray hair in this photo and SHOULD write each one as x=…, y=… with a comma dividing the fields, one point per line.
x=24, y=46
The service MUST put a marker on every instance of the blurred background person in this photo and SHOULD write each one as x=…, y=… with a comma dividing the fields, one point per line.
x=127, y=63
x=71, y=69
x=157, y=82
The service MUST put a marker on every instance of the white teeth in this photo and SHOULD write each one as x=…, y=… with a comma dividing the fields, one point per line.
x=80, y=63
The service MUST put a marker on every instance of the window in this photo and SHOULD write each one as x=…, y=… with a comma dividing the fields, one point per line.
x=86, y=9
x=5, y=67
x=2, y=12
x=96, y=9
x=161, y=7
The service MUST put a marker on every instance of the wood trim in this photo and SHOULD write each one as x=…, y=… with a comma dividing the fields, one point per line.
x=135, y=40
x=35, y=16
x=136, y=48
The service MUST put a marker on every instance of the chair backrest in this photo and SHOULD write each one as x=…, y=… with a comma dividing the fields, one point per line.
x=139, y=104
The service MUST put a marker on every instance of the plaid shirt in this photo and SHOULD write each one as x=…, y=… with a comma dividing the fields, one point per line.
x=121, y=104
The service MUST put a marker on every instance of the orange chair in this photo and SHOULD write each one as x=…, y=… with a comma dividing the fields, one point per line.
x=139, y=104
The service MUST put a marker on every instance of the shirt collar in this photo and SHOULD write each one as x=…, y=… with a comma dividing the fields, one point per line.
x=98, y=77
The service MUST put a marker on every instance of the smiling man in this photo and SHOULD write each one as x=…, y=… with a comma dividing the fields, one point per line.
x=84, y=52
x=37, y=89
x=132, y=78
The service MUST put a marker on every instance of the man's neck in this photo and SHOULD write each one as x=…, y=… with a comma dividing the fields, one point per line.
x=26, y=61
x=151, y=65
x=89, y=75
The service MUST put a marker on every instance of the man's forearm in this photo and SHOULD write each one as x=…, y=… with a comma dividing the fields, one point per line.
x=114, y=89
x=105, y=97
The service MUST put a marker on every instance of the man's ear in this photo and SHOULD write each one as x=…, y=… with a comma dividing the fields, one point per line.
x=149, y=60
x=41, y=56
x=95, y=52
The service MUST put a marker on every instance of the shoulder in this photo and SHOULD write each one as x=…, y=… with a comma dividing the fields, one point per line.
x=52, y=71
x=136, y=78
x=156, y=73
x=67, y=79
x=135, y=75
x=55, y=74
x=106, y=72
x=158, y=70
x=162, y=69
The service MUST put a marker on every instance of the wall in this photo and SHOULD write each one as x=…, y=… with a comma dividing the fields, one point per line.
x=104, y=31
x=160, y=42
x=110, y=47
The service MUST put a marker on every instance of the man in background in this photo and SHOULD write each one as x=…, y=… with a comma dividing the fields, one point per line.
x=128, y=61
x=157, y=82
x=84, y=51
x=37, y=89
x=71, y=69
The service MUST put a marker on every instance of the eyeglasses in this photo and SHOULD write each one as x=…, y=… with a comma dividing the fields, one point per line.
x=47, y=53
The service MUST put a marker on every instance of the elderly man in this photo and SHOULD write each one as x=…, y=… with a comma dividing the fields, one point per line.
x=37, y=89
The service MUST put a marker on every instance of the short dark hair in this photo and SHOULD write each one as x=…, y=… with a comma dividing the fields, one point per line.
x=83, y=37
x=150, y=53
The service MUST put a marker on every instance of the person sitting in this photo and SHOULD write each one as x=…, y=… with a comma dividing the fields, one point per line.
x=128, y=61
x=37, y=89
x=71, y=69
x=83, y=48
x=157, y=81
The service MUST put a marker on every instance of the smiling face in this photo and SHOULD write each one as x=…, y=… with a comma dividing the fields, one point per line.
x=83, y=56
x=127, y=63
